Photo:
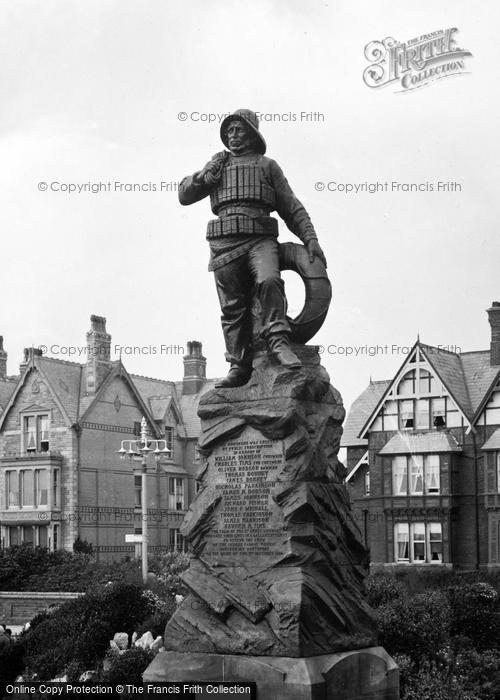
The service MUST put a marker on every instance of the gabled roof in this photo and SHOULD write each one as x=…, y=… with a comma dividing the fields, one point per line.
x=86, y=400
x=160, y=406
x=159, y=394
x=61, y=379
x=66, y=382
x=360, y=411
x=479, y=375
x=118, y=370
x=7, y=388
x=469, y=378
x=148, y=386
x=420, y=443
x=374, y=412
x=481, y=378
x=449, y=369
x=64, y=378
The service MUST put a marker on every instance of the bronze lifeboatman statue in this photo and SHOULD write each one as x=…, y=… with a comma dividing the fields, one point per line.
x=244, y=187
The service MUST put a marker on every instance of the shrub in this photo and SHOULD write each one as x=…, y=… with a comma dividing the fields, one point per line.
x=19, y=563
x=430, y=682
x=167, y=568
x=82, y=546
x=155, y=624
x=79, y=631
x=91, y=645
x=417, y=627
x=476, y=614
x=420, y=579
x=48, y=647
x=480, y=672
x=126, y=667
x=161, y=611
x=382, y=588
x=122, y=606
x=157, y=604
x=24, y=568
x=11, y=664
x=468, y=675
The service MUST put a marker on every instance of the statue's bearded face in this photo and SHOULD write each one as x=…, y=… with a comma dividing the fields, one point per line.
x=239, y=138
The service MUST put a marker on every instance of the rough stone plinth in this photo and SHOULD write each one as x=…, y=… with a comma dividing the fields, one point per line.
x=278, y=563
x=366, y=674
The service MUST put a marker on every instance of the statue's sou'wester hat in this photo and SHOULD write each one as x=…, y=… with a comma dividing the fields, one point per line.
x=251, y=120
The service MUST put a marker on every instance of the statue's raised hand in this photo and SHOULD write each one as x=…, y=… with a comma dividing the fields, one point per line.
x=210, y=174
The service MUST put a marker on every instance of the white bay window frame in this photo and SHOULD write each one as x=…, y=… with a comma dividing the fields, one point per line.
x=416, y=475
x=418, y=543
x=31, y=488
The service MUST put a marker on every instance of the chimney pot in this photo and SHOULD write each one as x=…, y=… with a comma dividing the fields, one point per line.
x=98, y=324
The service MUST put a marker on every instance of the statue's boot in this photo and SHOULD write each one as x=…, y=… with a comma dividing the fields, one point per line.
x=279, y=345
x=237, y=376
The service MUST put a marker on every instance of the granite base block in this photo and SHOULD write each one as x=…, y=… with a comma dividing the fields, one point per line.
x=363, y=674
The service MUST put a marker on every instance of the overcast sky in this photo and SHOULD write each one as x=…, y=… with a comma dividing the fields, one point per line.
x=91, y=92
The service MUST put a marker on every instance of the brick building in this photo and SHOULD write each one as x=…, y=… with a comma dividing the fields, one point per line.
x=61, y=424
x=423, y=455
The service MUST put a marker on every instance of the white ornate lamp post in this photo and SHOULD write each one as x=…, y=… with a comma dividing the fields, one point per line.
x=138, y=450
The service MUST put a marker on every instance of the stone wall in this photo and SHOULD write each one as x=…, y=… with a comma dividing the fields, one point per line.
x=19, y=607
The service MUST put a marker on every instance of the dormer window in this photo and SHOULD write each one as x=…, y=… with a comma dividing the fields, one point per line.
x=36, y=433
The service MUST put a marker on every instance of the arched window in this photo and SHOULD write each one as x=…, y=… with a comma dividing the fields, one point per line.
x=406, y=386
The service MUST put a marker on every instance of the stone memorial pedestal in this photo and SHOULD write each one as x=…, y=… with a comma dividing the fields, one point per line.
x=365, y=674
x=276, y=582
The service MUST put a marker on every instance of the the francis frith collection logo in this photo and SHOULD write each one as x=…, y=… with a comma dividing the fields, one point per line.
x=416, y=62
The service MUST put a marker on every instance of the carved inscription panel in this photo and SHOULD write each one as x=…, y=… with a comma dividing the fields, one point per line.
x=244, y=471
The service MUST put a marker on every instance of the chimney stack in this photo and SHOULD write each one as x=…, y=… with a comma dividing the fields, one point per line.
x=29, y=353
x=98, y=354
x=494, y=319
x=3, y=360
x=195, y=368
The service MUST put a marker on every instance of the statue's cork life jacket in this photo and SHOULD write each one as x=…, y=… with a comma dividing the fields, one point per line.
x=243, y=200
